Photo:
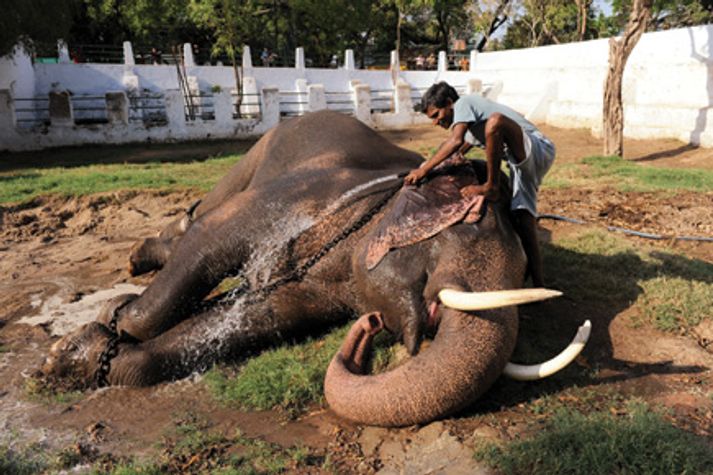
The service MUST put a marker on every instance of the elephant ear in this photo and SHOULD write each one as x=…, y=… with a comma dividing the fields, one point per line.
x=419, y=213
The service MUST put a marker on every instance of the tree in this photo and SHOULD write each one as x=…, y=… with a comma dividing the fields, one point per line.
x=34, y=21
x=665, y=14
x=488, y=17
x=231, y=23
x=619, y=51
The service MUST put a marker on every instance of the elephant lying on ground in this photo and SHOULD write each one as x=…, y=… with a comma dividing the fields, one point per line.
x=311, y=216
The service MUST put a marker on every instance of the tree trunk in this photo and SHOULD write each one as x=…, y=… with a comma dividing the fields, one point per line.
x=498, y=19
x=619, y=51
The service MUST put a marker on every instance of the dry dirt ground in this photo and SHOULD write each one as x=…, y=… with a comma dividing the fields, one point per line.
x=54, y=251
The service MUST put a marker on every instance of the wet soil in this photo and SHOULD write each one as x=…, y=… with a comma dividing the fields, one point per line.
x=64, y=249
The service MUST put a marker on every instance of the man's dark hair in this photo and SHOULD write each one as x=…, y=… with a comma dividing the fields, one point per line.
x=438, y=95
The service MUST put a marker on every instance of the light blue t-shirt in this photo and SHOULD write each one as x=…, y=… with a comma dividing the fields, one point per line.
x=526, y=176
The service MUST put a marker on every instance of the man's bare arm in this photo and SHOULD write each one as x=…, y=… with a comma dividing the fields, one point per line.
x=453, y=144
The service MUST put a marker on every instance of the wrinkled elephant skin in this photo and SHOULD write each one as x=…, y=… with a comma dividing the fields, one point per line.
x=301, y=185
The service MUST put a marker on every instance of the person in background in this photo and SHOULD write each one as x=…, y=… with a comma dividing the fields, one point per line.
x=504, y=133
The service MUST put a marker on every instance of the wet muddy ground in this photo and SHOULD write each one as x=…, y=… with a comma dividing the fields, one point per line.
x=57, y=253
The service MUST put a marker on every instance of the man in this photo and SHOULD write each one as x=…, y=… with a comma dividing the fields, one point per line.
x=475, y=120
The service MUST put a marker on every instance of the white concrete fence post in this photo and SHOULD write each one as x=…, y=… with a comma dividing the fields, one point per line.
x=247, y=59
x=473, y=59
x=394, y=66
x=349, y=60
x=270, y=107
x=442, y=62
x=250, y=96
x=63, y=52
x=128, y=54
x=362, y=102
x=474, y=86
x=175, y=111
x=316, y=98
x=117, y=107
x=402, y=98
x=188, y=59
x=223, y=107
x=60, y=109
x=299, y=58
x=8, y=120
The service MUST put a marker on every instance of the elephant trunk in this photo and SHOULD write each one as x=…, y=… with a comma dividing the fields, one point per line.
x=467, y=355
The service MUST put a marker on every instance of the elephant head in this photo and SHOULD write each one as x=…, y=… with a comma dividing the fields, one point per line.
x=468, y=279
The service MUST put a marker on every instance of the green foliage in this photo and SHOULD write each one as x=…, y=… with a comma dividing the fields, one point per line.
x=83, y=180
x=665, y=14
x=34, y=21
x=601, y=443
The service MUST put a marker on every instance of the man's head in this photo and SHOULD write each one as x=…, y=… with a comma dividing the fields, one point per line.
x=437, y=103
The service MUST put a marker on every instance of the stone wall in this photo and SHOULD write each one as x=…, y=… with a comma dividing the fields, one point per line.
x=668, y=93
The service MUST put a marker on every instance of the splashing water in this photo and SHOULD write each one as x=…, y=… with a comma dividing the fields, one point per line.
x=232, y=315
x=347, y=195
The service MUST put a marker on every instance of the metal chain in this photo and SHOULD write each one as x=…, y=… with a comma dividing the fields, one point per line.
x=112, y=346
x=110, y=351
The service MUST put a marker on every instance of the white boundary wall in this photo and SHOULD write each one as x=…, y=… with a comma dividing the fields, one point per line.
x=668, y=91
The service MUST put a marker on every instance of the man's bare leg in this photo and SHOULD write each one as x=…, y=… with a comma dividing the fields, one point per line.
x=526, y=225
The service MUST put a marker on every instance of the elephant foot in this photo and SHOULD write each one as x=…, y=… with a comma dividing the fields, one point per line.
x=73, y=360
x=147, y=255
x=112, y=306
x=357, y=344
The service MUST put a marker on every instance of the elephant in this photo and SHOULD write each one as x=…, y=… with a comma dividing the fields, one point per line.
x=315, y=224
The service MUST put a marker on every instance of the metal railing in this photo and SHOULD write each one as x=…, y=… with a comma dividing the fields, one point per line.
x=148, y=108
x=32, y=111
x=382, y=100
x=250, y=105
x=340, y=102
x=292, y=103
x=89, y=109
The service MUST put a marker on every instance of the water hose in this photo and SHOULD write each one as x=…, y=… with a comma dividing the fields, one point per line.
x=631, y=232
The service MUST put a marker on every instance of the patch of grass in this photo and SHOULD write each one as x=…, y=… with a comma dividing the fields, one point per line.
x=600, y=267
x=602, y=443
x=24, y=461
x=194, y=448
x=25, y=184
x=39, y=390
x=290, y=377
x=634, y=177
x=676, y=304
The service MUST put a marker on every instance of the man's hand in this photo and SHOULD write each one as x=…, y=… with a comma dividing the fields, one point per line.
x=489, y=192
x=415, y=176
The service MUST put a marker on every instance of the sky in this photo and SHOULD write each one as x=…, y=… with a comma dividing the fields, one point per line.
x=604, y=6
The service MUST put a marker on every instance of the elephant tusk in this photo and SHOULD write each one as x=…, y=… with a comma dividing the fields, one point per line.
x=538, y=371
x=459, y=300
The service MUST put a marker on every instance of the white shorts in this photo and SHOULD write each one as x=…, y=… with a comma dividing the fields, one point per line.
x=526, y=176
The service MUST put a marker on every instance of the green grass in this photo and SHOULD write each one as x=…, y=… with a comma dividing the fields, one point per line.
x=39, y=390
x=28, y=461
x=571, y=442
x=289, y=378
x=624, y=175
x=636, y=177
x=671, y=291
x=25, y=184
